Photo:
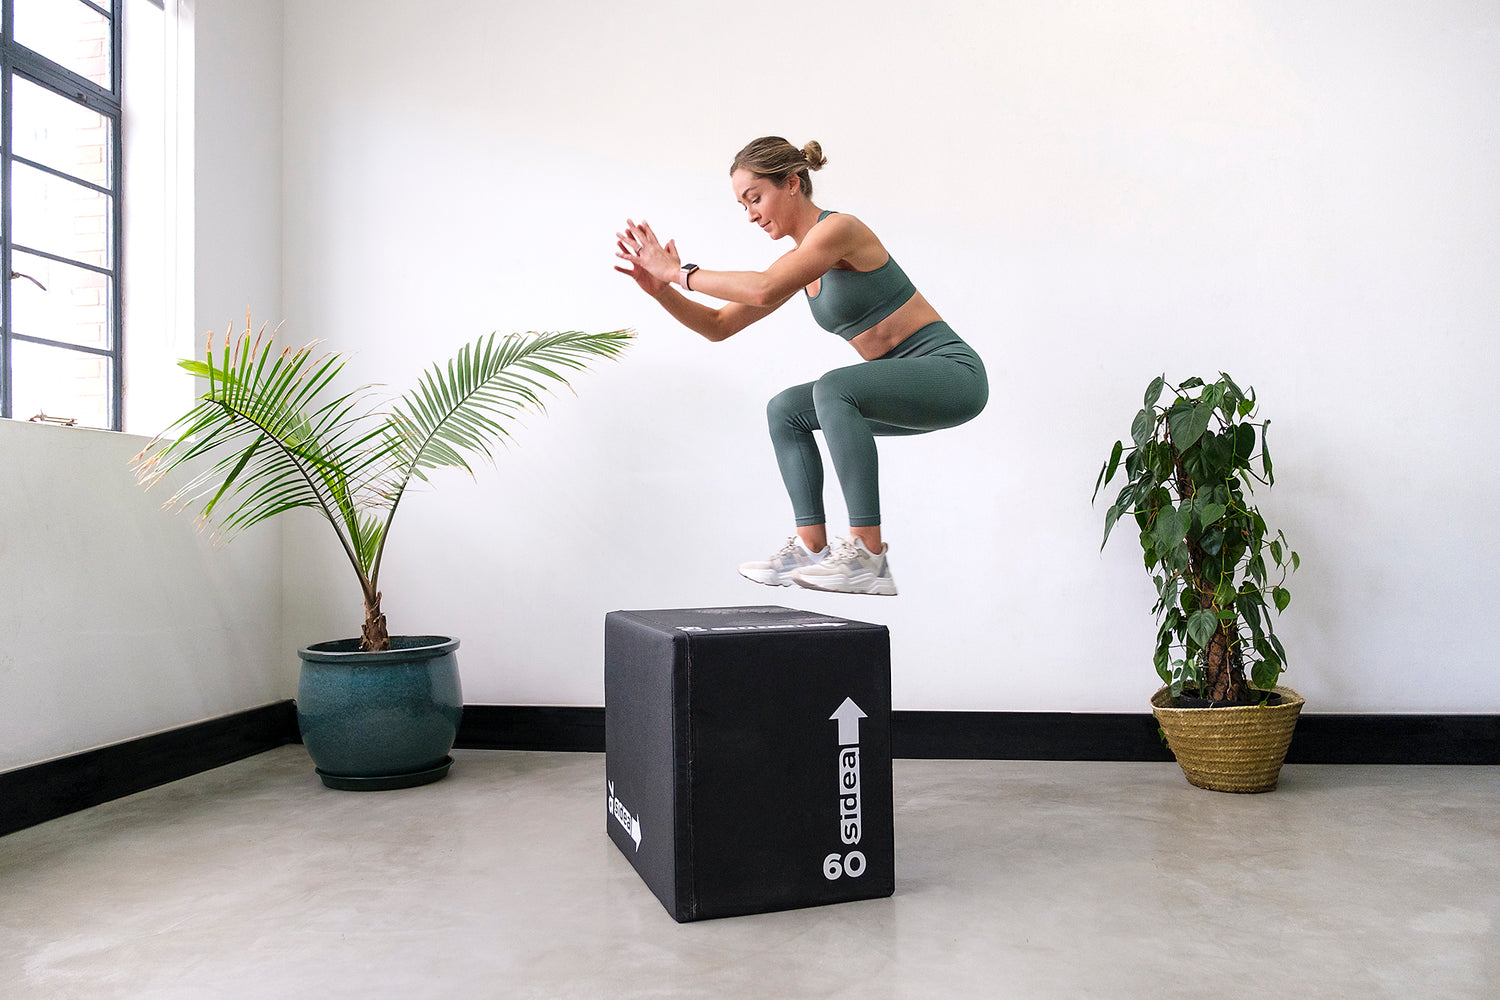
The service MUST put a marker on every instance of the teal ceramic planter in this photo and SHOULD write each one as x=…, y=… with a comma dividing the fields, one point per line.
x=373, y=721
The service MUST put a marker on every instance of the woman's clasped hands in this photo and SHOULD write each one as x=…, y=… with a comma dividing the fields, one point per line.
x=652, y=264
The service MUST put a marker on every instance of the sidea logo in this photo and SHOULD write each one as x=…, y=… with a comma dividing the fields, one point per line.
x=851, y=824
x=632, y=824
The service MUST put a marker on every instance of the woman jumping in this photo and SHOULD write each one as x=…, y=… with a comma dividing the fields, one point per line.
x=917, y=374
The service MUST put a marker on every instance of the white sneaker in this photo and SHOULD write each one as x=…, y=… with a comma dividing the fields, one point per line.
x=850, y=569
x=777, y=571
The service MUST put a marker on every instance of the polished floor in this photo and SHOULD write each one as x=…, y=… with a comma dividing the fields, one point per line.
x=1014, y=879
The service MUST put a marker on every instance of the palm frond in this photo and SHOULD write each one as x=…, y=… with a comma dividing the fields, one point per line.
x=271, y=434
x=277, y=438
x=463, y=408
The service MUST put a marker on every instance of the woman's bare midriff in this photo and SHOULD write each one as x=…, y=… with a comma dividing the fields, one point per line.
x=882, y=338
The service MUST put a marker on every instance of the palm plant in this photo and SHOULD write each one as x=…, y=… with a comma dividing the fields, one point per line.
x=280, y=437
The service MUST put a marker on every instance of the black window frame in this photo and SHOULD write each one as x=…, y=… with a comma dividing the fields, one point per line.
x=18, y=60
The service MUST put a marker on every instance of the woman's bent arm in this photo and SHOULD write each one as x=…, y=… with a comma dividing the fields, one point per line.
x=836, y=239
x=794, y=270
x=713, y=324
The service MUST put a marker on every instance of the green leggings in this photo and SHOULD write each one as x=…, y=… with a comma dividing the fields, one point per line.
x=930, y=381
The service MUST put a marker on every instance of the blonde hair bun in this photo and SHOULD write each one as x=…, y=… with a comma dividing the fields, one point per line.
x=776, y=159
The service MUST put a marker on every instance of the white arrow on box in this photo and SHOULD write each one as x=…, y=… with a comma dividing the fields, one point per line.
x=622, y=815
x=848, y=716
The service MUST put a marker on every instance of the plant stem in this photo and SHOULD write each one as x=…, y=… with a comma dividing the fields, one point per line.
x=1223, y=672
x=375, y=639
x=1223, y=669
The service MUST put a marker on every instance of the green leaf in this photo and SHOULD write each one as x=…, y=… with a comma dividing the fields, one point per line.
x=1163, y=666
x=1141, y=427
x=1276, y=645
x=1244, y=444
x=1229, y=396
x=1169, y=589
x=1170, y=528
x=1211, y=397
x=1179, y=558
x=1282, y=597
x=1210, y=513
x=1108, y=472
x=1248, y=605
x=1110, y=517
x=1153, y=391
x=1159, y=460
x=1218, y=455
x=1201, y=626
x=1186, y=422
x=1256, y=568
x=1265, y=673
x=1224, y=594
x=1265, y=453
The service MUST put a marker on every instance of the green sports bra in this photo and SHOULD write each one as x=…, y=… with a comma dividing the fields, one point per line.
x=850, y=302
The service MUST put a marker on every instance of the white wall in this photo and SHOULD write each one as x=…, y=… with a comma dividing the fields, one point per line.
x=1092, y=193
x=237, y=170
x=119, y=620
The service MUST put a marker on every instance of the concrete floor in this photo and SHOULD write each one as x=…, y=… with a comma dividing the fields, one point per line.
x=1014, y=879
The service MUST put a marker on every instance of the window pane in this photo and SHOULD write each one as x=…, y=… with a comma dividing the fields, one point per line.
x=74, y=307
x=60, y=133
x=59, y=383
x=67, y=32
x=59, y=217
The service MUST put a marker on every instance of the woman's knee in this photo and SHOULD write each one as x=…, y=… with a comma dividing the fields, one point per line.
x=832, y=391
x=788, y=409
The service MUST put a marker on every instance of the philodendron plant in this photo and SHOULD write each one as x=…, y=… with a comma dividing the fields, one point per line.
x=279, y=436
x=1219, y=570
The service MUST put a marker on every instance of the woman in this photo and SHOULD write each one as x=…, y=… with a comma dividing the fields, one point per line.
x=917, y=374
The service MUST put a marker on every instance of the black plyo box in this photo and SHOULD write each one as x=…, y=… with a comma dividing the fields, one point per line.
x=748, y=757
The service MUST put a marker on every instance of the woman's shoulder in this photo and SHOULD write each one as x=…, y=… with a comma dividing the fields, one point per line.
x=856, y=240
x=849, y=230
x=834, y=219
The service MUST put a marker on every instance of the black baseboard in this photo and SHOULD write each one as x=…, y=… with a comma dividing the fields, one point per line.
x=1395, y=739
x=531, y=727
x=962, y=735
x=41, y=792
x=35, y=794
x=1026, y=736
x=1319, y=739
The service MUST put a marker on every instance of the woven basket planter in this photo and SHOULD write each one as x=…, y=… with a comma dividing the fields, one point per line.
x=1237, y=749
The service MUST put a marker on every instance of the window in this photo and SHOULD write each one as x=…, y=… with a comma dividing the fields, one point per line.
x=60, y=231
